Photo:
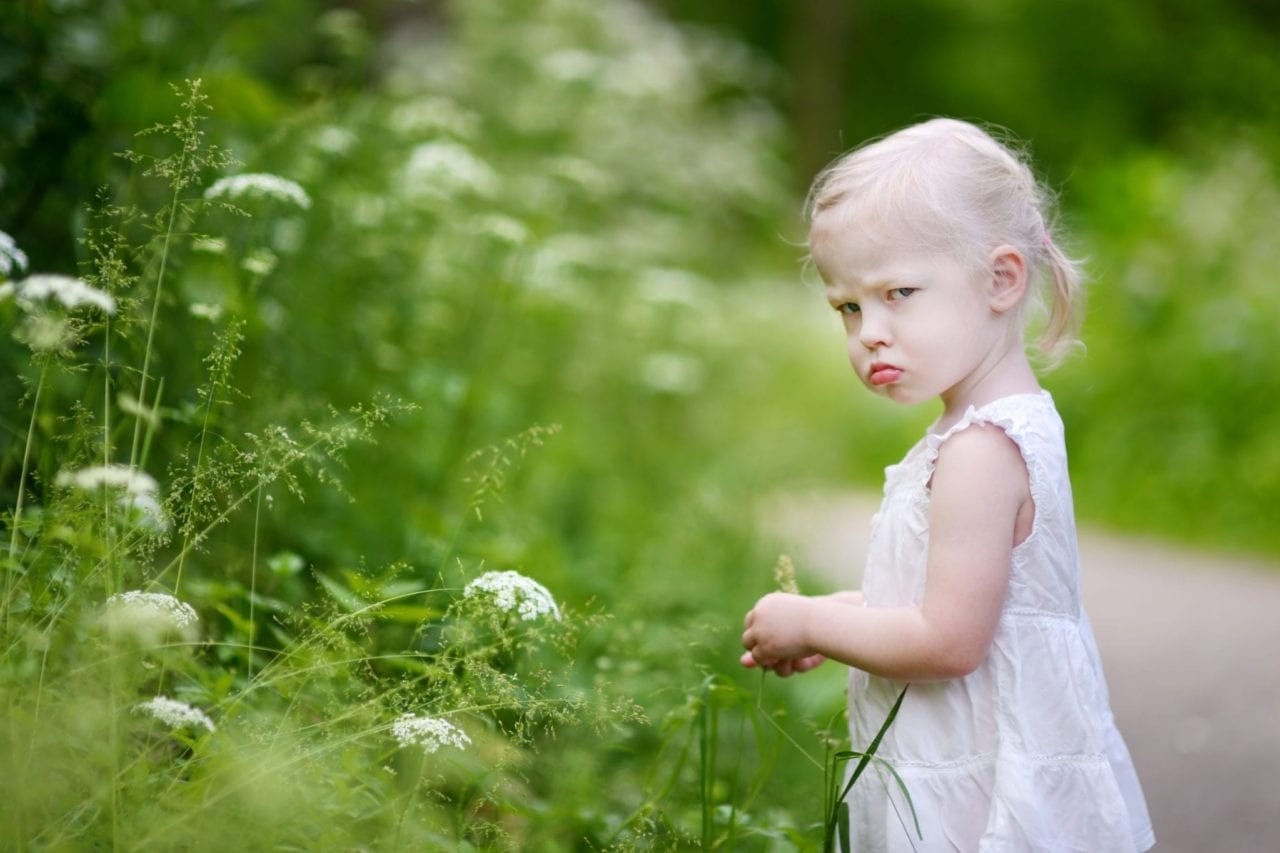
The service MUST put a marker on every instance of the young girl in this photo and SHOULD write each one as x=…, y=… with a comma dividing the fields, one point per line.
x=932, y=242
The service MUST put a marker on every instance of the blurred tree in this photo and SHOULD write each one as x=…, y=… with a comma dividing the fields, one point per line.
x=79, y=79
x=1080, y=79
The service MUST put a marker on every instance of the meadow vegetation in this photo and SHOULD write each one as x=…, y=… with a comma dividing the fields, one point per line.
x=389, y=424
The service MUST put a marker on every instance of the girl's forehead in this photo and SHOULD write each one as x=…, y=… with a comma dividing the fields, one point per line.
x=848, y=256
x=841, y=247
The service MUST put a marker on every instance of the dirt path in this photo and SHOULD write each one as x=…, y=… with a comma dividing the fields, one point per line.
x=1191, y=646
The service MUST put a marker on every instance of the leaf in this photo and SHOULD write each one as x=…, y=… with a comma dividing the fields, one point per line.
x=864, y=758
x=345, y=598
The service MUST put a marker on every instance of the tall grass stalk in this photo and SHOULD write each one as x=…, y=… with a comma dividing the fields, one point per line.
x=253, y=581
x=186, y=129
x=12, y=568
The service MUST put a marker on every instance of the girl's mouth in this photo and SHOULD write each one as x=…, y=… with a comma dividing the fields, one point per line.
x=883, y=374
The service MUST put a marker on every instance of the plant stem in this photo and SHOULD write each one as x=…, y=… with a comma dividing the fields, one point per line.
x=12, y=567
x=253, y=580
x=155, y=312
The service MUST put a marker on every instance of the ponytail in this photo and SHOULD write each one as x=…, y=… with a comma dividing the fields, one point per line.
x=1063, y=312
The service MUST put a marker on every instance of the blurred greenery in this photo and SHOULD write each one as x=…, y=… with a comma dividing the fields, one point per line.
x=565, y=235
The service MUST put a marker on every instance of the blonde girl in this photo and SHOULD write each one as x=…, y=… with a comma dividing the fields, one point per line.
x=935, y=247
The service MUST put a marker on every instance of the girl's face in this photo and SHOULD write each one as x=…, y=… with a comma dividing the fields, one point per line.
x=920, y=324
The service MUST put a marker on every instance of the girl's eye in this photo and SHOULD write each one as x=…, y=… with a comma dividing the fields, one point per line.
x=848, y=308
x=901, y=292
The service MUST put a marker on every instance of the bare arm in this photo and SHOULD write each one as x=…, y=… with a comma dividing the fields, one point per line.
x=980, y=506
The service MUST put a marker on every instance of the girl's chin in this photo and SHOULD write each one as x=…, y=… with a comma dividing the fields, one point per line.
x=900, y=393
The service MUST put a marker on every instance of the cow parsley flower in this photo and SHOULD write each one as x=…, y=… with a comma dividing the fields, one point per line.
x=174, y=713
x=259, y=186
x=514, y=591
x=143, y=511
x=11, y=257
x=157, y=605
x=112, y=476
x=71, y=292
x=430, y=733
x=447, y=169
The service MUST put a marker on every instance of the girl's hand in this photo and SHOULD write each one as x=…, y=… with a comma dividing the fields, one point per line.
x=774, y=630
x=784, y=668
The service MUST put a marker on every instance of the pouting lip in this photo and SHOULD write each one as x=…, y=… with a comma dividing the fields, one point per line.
x=881, y=373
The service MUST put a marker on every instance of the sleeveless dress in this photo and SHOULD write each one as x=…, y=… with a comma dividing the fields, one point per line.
x=1022, y=754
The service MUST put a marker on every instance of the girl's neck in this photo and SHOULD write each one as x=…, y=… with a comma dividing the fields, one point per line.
x=1009, y=375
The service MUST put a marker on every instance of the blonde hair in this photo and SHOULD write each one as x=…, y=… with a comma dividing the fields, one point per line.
x=950, y=186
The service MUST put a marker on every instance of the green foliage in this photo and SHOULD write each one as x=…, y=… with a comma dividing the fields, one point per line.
x=519, y=241
x=1172, y=411
x=502, y=297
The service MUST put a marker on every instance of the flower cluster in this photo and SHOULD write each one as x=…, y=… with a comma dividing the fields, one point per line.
x=514, y=591
x=11, y=256
x=447, y=169
x=430, y=733
x=123, y=477
x=259, y=186
x=174, y=713
x=71, y=292
x=157, y=605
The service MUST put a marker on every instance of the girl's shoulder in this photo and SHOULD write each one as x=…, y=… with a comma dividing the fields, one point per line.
x=1028, y=419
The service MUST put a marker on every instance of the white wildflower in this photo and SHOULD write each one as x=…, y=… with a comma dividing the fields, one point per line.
x=335, y=140
x=157, y=604
x=175, y=713
x=514, y=591
x=446, y=169
x=502, y=228
x=149, y=619
x=11, y=256
x=112, y=476
x=143, y=511
x=71, y=292
x=430, y=733
x=46, y=332
x=209, y=245
x=671, y=373
x=6, y=290
x=433, y=115
x=205, y=311
x=259, y=186
x=672, y=287
x=572, y=65
x=584, y=174
x=260, y=261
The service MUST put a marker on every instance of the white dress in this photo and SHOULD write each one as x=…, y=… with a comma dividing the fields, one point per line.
x=1023, y=753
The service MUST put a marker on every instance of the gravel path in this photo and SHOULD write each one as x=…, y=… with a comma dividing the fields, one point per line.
x=1191, y=645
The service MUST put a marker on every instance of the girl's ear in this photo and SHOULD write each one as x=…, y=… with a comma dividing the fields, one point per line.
x=1008, y=278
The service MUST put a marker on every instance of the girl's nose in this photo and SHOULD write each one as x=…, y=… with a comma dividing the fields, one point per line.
x=873, y=330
